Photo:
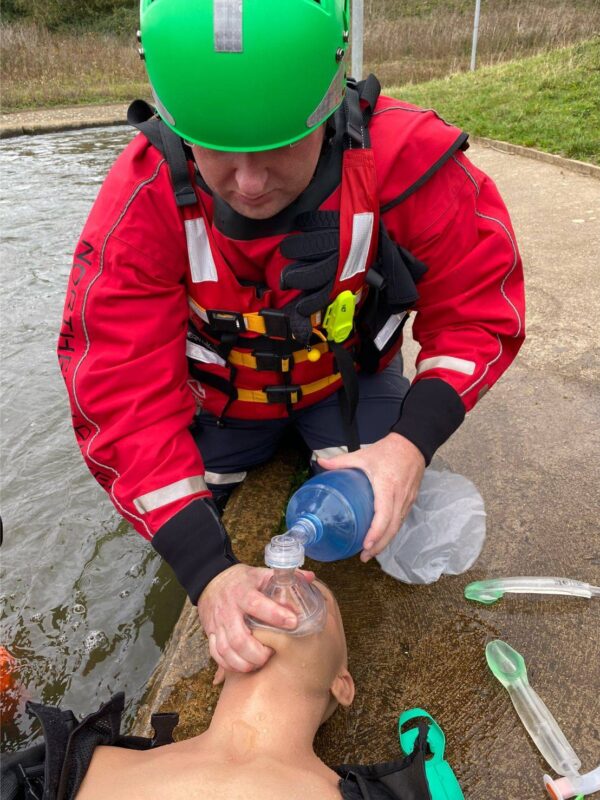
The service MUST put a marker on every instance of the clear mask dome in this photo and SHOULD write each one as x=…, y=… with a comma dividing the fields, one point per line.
x=291, y=589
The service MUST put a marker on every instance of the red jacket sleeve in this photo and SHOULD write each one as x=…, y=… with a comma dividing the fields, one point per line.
x=122, y=345
x=470, y=314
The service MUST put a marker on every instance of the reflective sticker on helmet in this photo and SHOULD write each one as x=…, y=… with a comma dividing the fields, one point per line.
x=168, y=117
x=331, y=100
x=227, y=21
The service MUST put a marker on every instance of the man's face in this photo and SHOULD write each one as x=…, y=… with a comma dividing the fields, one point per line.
x=259, y=185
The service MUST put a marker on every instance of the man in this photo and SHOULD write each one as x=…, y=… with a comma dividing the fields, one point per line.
x=259, y=743
x=280, y=249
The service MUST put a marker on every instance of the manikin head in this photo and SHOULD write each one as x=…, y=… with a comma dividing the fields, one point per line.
x=314, y=666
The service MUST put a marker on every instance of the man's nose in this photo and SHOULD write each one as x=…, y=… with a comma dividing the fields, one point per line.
x=251, y=175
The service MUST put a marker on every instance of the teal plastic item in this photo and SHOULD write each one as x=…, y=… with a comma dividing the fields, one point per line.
x=442, y=781
x=508, y=666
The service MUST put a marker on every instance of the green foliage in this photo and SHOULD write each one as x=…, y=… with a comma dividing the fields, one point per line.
x=548, y=101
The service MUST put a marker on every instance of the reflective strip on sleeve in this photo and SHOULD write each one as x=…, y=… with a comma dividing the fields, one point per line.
x=362, y=228
x=199, y=353
x=202, y=264
x=328, y=452
x=224, y=479
x=227, y=20
x=388, y=329
x=168, y=494
x=332, y=452
x=447, y=362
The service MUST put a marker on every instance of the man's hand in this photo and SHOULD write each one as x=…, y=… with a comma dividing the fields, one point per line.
x=395, y=468
x=222, y=605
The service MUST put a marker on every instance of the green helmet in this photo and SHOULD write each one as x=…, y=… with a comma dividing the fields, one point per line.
x=245, y=75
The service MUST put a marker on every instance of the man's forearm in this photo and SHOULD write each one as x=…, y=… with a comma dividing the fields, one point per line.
x=195, y=545
x=431, y=412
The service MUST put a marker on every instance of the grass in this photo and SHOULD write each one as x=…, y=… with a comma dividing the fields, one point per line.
x=550, y=101
x=411, y=41
x=41, y=69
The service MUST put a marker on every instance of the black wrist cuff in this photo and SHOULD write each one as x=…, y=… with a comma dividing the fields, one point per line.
x=431, y=412
x=195, y=545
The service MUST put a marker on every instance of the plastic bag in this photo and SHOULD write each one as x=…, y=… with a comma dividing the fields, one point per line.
x=443, y=533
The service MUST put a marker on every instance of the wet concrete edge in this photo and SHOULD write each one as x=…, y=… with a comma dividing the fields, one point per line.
x=31, y=123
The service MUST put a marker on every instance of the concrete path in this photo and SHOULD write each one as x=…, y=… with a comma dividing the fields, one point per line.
x=48, y=120
x=533, y=447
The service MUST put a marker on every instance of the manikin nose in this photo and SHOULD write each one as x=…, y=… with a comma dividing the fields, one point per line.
x=251, y=176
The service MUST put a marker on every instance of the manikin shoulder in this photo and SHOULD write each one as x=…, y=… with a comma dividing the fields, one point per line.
x=182, y=771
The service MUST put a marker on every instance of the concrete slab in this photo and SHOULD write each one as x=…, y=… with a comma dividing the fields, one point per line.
x=49, y=120
x=532, y=446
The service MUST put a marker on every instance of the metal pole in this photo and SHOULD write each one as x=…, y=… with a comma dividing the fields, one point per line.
x=475, y=34
x=357, y=39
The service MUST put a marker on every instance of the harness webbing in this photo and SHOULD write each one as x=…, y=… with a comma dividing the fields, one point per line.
x=141, y=116
x=227, y=326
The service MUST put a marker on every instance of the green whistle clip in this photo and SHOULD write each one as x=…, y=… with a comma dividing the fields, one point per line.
x=339, y=317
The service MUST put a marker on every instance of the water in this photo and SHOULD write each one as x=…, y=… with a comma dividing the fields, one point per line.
x=86, y=605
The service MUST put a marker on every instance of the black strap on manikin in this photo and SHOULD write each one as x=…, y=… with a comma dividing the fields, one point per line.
x=55, y=769
x=141, y=116
x=404, y=779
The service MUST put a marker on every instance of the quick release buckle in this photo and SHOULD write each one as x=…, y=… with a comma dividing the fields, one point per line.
x=274, y=362
x=277, y=324
x=283, y=394
x=226, y=321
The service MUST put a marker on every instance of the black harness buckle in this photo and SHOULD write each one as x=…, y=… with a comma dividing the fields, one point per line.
x=274, y=362
x=277, y=323
x=283, y=394
x=226, y=321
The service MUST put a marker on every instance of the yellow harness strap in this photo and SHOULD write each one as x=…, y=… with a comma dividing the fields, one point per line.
x=257, y=396
x=241, y=359
x=253, y=321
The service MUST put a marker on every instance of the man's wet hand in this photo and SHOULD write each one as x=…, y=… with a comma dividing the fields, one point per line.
x=395, y=468
x=222, y=606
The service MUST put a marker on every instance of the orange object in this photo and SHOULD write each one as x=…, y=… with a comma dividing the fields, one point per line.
x=8, y=668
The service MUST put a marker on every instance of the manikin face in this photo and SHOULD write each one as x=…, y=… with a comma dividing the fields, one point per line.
x=316, y=662
x=259, y=185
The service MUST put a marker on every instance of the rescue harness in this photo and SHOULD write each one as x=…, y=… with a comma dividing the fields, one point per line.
x=345, y=289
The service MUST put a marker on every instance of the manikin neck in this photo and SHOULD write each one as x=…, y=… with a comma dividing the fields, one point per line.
x=261, y=713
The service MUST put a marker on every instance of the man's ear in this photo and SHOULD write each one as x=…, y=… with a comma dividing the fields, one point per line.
x=342, y=688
